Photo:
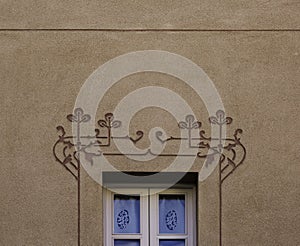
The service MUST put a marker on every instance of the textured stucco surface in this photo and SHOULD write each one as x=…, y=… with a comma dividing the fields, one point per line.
x=174, y=14
x=256, y=73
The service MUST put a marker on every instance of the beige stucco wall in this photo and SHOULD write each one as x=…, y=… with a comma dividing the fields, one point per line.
x=255, y=72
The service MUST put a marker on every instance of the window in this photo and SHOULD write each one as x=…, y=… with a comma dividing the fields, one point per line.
x=144, y=217
x=126, y=217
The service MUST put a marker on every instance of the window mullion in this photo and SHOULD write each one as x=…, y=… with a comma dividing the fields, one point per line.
x=153, y=230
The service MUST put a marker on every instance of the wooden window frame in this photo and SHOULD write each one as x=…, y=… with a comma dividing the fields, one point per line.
x=190, y=211
x=149, y=216
x=110, y=236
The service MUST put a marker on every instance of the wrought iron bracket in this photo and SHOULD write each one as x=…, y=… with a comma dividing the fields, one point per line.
x=229, y=151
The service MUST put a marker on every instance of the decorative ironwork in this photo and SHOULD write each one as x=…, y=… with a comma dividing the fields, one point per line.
x=171, y=220
x=123, y=219
x=229, y=152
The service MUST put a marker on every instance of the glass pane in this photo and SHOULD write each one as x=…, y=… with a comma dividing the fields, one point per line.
x=172, y=214
x=123, y=242
x=172, y=242
x=126, y=214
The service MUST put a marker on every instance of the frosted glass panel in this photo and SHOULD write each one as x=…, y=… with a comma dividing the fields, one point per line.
x=172, y=214
x=126, y=214
x=172, y=242
x=123, y=242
